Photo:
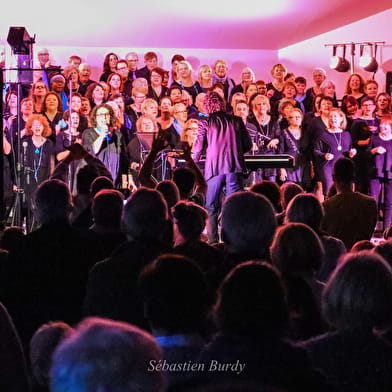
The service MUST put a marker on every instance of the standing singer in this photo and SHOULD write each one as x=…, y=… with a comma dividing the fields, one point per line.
x=103, y=141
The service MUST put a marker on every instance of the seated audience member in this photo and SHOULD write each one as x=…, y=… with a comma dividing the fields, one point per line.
x=359, y=246
x=99, y=184
x=189, y=180
x=111, y=289
x=189, y=222
x=248, y=226
x=384, y=249
x=47, y=275
x=298, y=253
x=288, y=191
x=11, y=237
x=252, y=315
x=175, y=308
x=349, y=216
x=13, y=371
x=306, y=208
x=107, y=206
x=270, y=190
x=356, y=303
x=107, y=355
x=42, y=346
x=170, y=193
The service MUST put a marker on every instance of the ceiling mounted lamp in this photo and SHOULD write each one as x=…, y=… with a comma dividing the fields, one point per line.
x=337, y=63
x=368, y=59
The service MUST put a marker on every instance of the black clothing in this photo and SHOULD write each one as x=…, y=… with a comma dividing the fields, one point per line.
x=112, y=288
x=353, y=361
x=46, y=277
x=83, y=86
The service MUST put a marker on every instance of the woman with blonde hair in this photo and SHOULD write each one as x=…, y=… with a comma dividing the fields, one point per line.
x=189, y=132
x=204, y=77
x=333, y=144
x=247, y=77
x=186, y=80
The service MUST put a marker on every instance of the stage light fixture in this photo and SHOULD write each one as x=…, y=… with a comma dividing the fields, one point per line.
x=338, y=63
x=19, y=40
x=368, y=59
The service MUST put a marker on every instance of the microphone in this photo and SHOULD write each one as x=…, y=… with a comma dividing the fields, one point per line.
x=26, y=170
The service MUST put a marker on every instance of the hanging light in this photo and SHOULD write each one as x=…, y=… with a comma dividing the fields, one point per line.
x=368, y=59
x=337, y=63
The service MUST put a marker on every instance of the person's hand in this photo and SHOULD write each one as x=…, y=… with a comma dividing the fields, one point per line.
x=135, y=166
x=353, y=152
x=187, y=154
x=329, y=156
x=283, y=174
x=159, y=143
x=378, y=150
x=57, y=128
x=76, y=151
x=273, y=143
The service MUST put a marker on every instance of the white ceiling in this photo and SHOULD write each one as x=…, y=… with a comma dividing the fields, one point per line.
x=210, y=24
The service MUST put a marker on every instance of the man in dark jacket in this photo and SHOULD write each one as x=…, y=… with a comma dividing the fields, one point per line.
x=227, y=140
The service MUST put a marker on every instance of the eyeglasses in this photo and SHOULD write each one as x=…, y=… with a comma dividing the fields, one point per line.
x=103, y=114
x=122, y=68
x=183, y=111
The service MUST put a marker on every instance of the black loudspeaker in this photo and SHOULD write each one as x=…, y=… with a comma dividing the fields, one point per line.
x=388, y=84
x=19, y=40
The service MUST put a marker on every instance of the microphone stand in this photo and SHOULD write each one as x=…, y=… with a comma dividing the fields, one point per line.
x=2, y=204
x=70, y=133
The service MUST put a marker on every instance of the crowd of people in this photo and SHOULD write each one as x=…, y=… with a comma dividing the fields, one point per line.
x=207, y=277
